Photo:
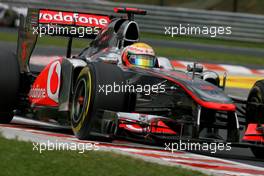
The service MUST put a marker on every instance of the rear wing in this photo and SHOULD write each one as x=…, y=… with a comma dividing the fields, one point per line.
x=39, y=22
x=64, y=23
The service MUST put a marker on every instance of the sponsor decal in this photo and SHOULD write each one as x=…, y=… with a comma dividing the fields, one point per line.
x=53, y=81
x=37, y=93
x=207, y=87
x=45, y=90
x=71, y=18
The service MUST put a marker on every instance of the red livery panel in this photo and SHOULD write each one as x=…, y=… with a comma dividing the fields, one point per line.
x=253, y=134
x=45, y=90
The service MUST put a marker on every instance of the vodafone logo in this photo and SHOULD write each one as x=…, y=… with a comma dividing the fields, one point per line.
x=53, y=81
x=70, y=18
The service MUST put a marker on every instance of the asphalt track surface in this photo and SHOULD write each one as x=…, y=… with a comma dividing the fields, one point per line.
x=243, y=155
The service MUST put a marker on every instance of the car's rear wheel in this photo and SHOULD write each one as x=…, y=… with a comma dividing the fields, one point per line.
x=255, y=113
x=87, y=98
x=9, y=85
x=6, y=117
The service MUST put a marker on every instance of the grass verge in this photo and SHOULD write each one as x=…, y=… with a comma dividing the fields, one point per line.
x=5, y=36
x=173, y=53
x=17, y=158
x=209, y=41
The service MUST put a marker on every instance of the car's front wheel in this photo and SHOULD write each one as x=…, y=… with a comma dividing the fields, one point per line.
x=88, y=97
x=81, y=102
x=254, y=112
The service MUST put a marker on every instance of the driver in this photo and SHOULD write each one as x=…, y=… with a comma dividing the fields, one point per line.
x=140, y=55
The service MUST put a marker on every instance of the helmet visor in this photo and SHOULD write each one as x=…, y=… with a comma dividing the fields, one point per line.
x=142, y=60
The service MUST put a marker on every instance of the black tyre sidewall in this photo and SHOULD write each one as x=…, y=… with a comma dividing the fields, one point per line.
x=81, y=127
x=101, y=74
x=9, y=85
x=257, y=93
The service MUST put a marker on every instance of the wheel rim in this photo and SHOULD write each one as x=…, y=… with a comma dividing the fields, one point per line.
x=79, y=103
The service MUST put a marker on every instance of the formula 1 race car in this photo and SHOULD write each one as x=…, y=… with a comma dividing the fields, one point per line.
x=101, y=98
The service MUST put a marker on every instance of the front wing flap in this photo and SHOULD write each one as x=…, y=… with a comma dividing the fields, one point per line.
x=122, y=124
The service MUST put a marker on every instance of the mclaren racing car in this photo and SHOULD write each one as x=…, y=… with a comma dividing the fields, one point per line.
x=100, y=97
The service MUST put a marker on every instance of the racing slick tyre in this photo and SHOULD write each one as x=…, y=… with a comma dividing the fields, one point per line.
x=9, y=85
x=254, y=114
x=88, y=97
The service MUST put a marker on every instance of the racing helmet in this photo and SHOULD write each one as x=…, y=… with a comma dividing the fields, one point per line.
x=140, y=55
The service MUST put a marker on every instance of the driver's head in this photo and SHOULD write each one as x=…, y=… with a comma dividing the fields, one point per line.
x=139, y=54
